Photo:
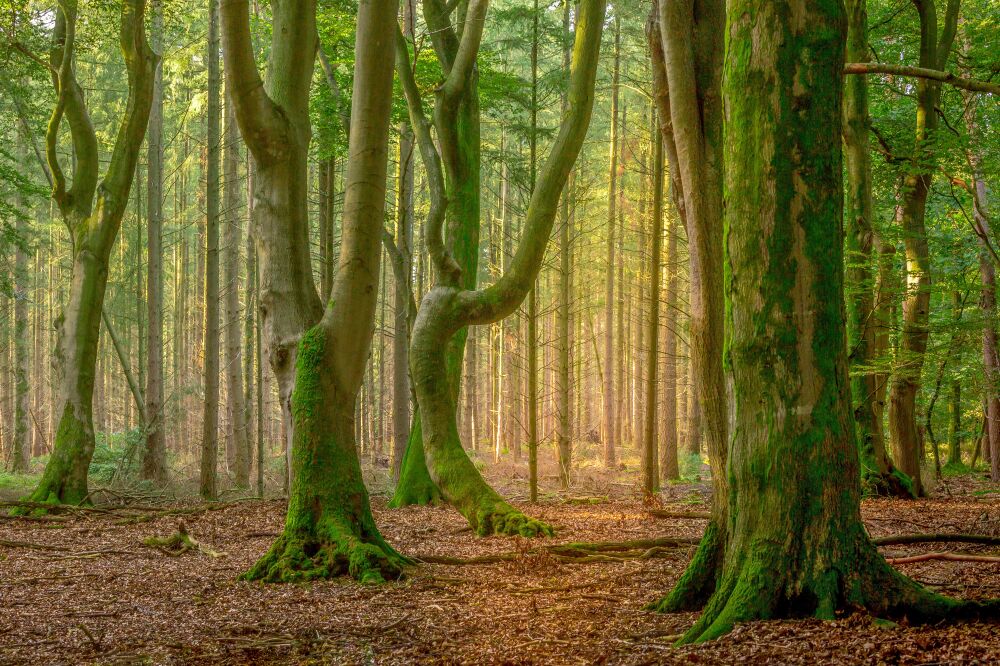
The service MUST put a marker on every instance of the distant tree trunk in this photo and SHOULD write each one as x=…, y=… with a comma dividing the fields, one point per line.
x=210, y=419
x=877, y=469
x=563, y=378
x=235, y=400
x=796, y=545
x=669, y=468
x=402, y=296
x=154, y=461
x=651, y=478
x=329, y=529
x=532, y=315
x=610, y=453
x=92, y=212
x=20, y=449
x=907, y=440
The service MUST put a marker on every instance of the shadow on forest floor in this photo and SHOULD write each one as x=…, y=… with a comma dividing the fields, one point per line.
x=82, y=588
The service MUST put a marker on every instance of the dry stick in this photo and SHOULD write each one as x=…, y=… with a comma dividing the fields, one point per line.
x=694, y=515
x=580, y=553
x=942, y=556
x=922, y=73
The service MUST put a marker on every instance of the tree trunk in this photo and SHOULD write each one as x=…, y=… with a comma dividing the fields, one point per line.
x=796, y=544
x=232, y=240
x=20, y=448
x=273, y=118
x=210, y=418
x=450, y=306
x=877, y=470
x=93, y=213
x=402, y=297
x=329, y=529
x=608, y=434
x=907, y=440
x=650, y=477
x=154, y=461
x=687, y=69
x=563, y=379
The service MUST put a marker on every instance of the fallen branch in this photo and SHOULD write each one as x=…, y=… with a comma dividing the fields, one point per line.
x=577, y=553
x=936, y=537
x=693, y=515
x=178, y=543
x=942, y=556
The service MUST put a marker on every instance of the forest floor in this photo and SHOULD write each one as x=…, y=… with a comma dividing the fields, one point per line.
x=82, y=588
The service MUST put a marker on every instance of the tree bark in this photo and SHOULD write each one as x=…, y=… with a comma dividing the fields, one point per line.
x=651, y=478
x=796, y=544
x=210, y=418
x=608, y=434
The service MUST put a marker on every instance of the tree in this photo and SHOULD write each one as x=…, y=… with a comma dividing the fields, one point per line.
x=878, y=472
x=154, y=460
x=608, y=392
x=210, y=418
x=273, y=118
x=329, y=529
x=795, y=544
x=448, y=306
x=92, y=213
x=650, y=470
x=687, y=74
x=907, y=440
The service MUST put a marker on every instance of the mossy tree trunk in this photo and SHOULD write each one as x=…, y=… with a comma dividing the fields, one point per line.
x=651, y=469
x=92, y=212
x=457, y=127
x=795, y=543
x=907, y=439
x=449, y=306
x=878, y=472
x=329, y=529
x=686, y=47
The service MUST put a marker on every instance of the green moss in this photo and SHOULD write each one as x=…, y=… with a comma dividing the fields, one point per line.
x=415, y=487
x=698, y=581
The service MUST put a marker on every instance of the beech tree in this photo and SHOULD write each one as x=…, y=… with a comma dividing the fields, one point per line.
x=329, y=529
x=449, y=306
x=91, y=208
x=795, y=543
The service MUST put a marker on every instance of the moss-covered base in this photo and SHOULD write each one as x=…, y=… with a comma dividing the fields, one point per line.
x=64, y=480
x=757, y=586
x=893, y=483
x=498, y=517
x=297, y=557
x=698, y=581
x=415, y=487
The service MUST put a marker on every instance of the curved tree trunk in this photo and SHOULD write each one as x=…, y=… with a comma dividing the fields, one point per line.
x=93, y=216
x=450, y=306
x=907, y=438
x=687, y=71
x=273, y=118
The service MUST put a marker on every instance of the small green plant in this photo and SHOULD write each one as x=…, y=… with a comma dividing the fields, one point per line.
x=116, y=457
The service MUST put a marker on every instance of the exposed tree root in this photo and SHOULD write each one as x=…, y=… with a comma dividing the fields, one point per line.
x=329, y=550
x=577, y=553
x=942, y=556
x=752, y=588
x=936, y=538
x=698, y=581
x=893, y=483
x=692, y=515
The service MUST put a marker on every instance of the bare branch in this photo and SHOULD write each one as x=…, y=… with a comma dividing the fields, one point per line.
x=973, y=85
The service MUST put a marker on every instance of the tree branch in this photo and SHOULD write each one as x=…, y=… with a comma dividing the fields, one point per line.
x=973, y=85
